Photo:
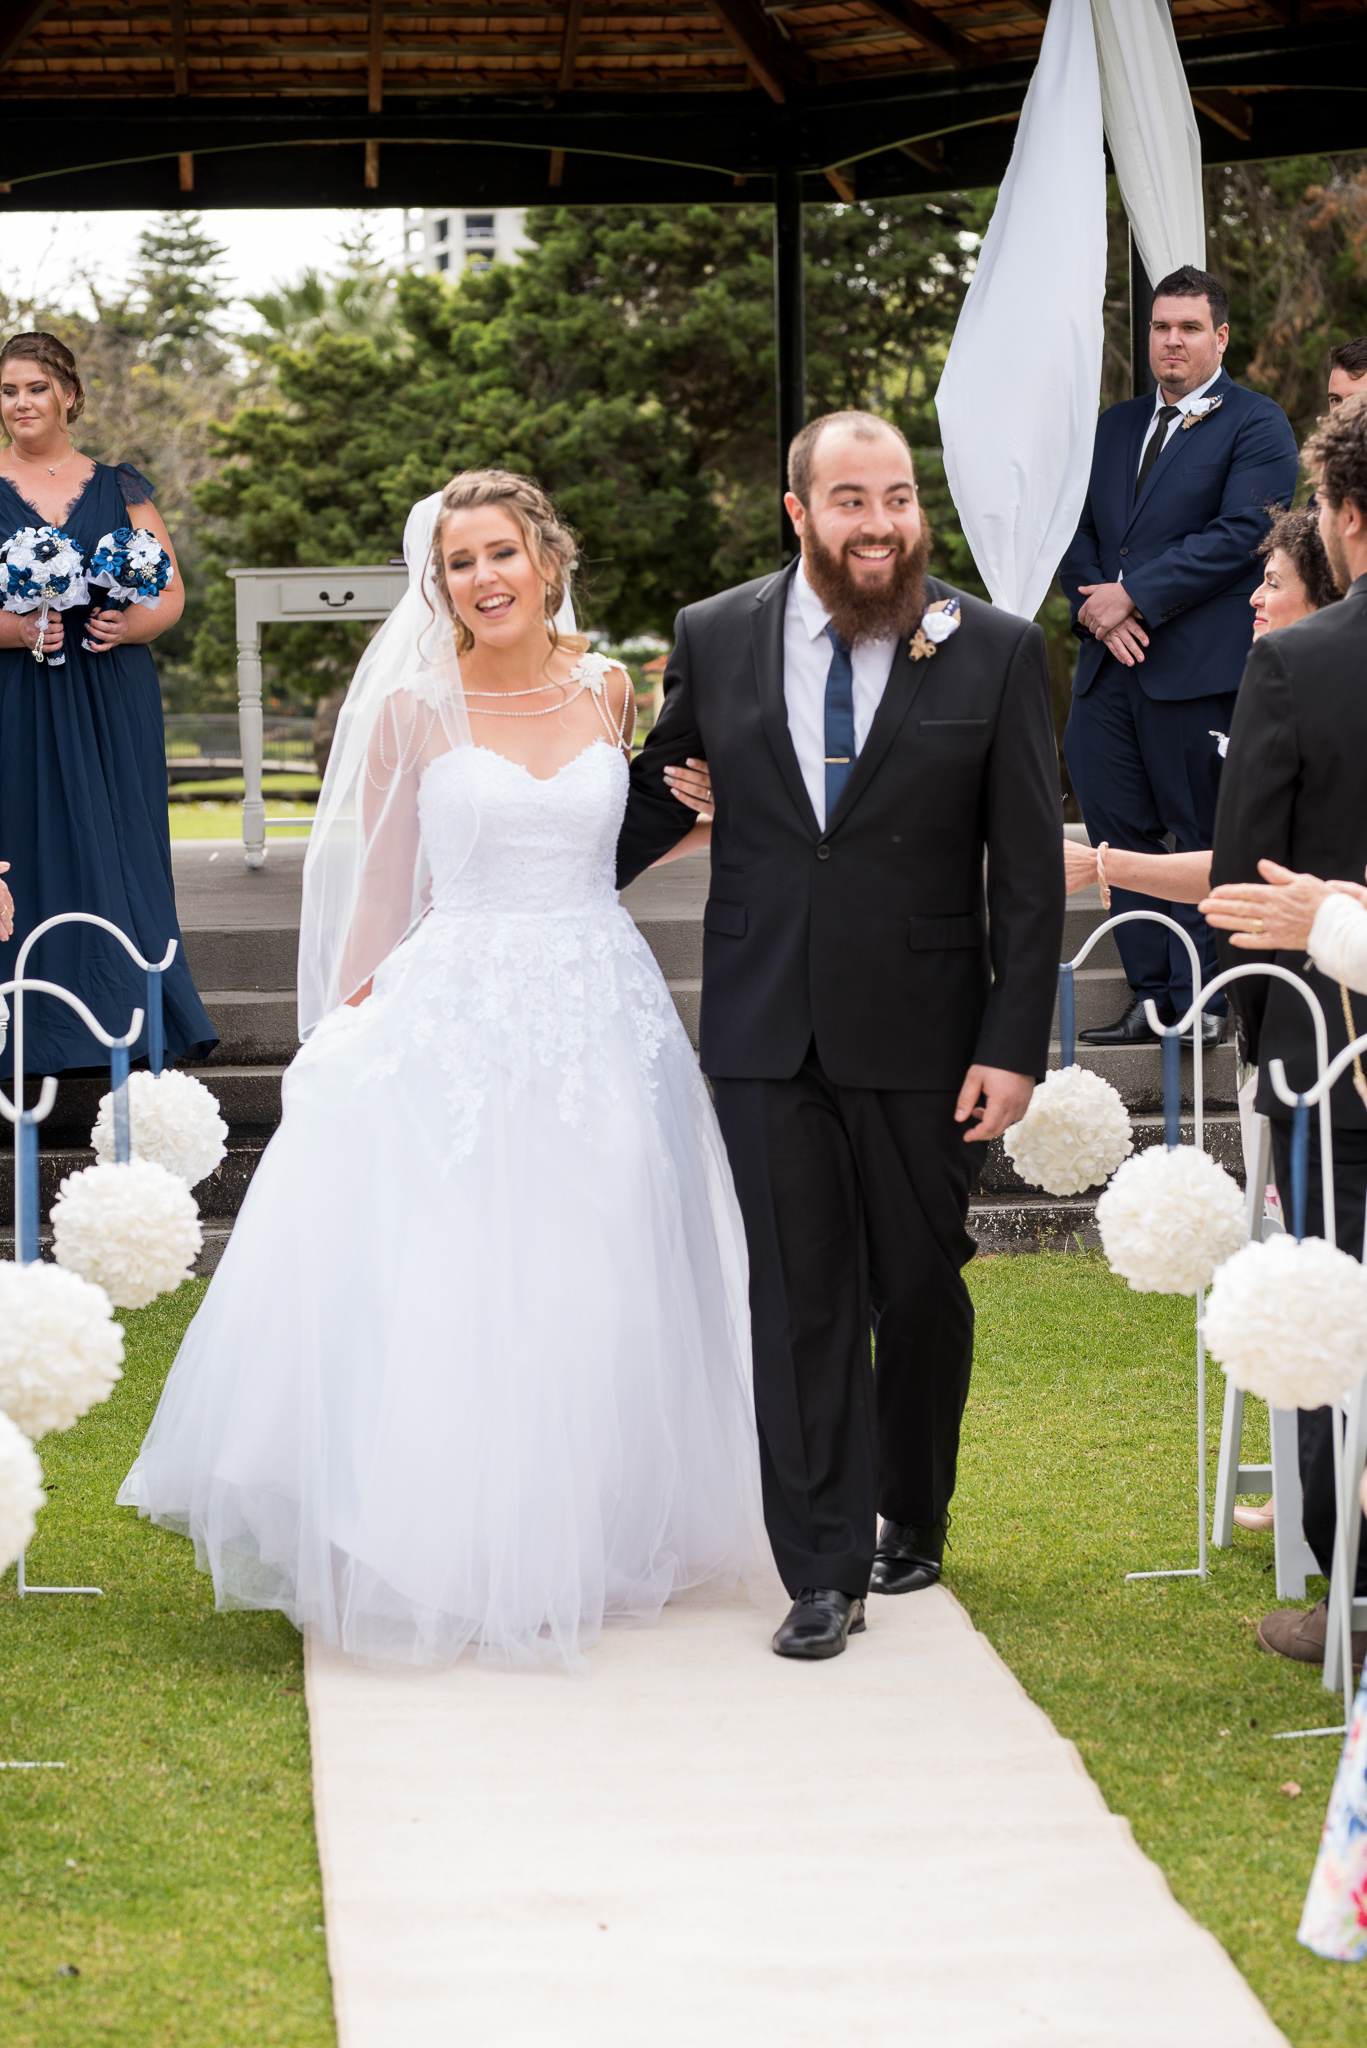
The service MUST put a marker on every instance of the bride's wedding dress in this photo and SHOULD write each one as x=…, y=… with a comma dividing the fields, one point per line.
x=474, y=1369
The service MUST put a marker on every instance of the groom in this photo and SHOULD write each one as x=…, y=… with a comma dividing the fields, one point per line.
x=869, y=1004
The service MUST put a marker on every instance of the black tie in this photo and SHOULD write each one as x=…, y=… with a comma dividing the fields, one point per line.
x=1157, y=440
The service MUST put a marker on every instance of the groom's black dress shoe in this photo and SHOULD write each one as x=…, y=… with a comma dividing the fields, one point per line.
x=818, y=1623
x=908, y=1559
x=1212, y=1032
x=1131, y=1029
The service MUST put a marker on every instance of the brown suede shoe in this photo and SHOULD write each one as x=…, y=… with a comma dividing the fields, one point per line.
x=1294, y=1632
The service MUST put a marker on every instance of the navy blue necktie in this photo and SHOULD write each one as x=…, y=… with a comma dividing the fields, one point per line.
x=839, y=719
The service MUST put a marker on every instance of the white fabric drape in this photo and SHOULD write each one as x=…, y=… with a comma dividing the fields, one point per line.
x=1018, y=398
x=1151, y=129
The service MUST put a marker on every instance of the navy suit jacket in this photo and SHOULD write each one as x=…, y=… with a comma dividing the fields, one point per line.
x=1186, y=551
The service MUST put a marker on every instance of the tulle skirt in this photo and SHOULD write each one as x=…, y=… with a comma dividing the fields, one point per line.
x=474, y=1369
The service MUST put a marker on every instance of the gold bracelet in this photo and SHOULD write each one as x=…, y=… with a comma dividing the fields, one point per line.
x=1102, y=850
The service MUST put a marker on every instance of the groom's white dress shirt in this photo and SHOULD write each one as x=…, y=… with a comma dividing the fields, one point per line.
x=807, y=653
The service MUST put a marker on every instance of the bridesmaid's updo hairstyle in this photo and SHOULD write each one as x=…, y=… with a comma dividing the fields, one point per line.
x=549, y=542
x=53, y=356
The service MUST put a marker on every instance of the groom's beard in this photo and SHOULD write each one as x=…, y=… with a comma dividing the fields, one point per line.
x=860, y=611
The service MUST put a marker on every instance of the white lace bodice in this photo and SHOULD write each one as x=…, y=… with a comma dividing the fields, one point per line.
x=544, y=846
x=526, y=953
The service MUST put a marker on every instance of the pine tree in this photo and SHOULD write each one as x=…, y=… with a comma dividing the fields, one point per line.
x=179, y=291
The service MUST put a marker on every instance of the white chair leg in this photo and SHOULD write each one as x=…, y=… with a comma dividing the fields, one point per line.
x=1293, y=1556
x=1355, y=1456
x=1227, y=1466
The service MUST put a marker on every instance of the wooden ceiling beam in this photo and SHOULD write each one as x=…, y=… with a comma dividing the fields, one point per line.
x=569, y=48
x=1226, y=109
x=773, y=63
x=18, y=20
x=375, y=65
x=928, y=30
x=180, y=63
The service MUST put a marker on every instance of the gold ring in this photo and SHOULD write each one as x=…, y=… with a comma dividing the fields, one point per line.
x=1257, y=924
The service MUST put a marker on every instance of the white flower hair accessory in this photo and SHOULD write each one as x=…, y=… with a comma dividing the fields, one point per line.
x=133, y=1230
x=1169, y=1219
x=173, y=1120
x=938, y=621
x=1073, y=1136
x=60, y=1352
x=1288, y=1321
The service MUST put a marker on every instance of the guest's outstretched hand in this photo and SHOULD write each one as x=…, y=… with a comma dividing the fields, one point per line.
x=992, y=1099
x=1272, y=916
x=6, y=905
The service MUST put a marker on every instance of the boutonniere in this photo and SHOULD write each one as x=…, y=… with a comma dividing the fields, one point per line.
x=938, y=621
x=1202, y=410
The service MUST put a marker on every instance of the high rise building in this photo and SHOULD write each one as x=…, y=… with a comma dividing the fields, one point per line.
x=449, y=239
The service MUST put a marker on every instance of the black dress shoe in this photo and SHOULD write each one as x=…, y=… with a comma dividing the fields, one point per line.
x=1212, y=1032
x=1131, y=1029
x=907, y=1558
x=818, y=1623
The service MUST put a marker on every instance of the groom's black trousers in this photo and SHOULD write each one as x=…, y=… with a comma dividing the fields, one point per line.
x=855, y=1202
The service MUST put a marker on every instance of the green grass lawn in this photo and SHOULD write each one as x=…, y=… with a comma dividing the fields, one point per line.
x=1078, y=1466
x=173, y=1861
x=216, y=819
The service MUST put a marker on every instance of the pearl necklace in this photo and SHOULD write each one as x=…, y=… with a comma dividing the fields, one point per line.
x=545, y=712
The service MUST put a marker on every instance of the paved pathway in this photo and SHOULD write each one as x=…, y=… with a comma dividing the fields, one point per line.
x=700, y=1844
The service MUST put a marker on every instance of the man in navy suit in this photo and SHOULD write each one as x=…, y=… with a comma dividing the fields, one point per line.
x=1159, y=575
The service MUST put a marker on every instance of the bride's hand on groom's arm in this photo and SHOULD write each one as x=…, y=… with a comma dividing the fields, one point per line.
x=692, y=785
x=992, y=1099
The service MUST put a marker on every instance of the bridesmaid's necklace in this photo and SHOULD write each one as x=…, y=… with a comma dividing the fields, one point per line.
x=51, y=467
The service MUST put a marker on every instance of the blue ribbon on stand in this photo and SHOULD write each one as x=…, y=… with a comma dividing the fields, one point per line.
x=1067, y=1016
x=1172, y=1090
x=156, y=1036
x=1300, y=1165
x=26, y=1166
x=118, y=1082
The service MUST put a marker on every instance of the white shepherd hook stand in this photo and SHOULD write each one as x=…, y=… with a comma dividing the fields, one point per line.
x=1171, y=1035
x=1350, y=1429
x=26, y=1121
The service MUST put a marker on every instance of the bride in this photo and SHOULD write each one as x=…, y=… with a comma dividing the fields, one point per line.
x=474, y=1368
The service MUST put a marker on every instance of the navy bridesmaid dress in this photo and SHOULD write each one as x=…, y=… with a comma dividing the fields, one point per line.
x=83, y=819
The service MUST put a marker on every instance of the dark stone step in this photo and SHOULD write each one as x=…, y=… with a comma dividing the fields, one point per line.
x=1222, y=1141
x=219, y=1195
x=1136, y=1072
x=1041, y=1224
x=259, y=1028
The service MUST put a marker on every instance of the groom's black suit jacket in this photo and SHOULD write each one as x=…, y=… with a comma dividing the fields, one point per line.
x=876, y=937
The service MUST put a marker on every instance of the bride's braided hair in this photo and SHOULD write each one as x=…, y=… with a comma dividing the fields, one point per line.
x=549, y=542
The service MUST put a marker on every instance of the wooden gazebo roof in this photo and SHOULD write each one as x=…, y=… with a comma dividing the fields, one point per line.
x=336, y=102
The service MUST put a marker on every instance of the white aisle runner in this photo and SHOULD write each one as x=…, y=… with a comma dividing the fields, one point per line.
x=699, y=1845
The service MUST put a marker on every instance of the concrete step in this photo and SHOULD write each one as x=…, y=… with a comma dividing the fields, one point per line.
x=218, y=1196
x=259, y=960
x=999, y=1177
x=1039, y=1224
x=255, y=1028
x=1100, y=996
x=215, y=1235
x=1136, y=1073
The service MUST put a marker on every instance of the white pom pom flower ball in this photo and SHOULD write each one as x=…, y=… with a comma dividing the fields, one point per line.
x=21, y=1491
x=60, y=1352
x=1169, y=1219
x=173, y=1120
x=1288, y=1321
x=133, y=1230
x=1074, y=1135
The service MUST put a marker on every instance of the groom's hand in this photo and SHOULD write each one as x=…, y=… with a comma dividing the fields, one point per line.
x=993, y=1100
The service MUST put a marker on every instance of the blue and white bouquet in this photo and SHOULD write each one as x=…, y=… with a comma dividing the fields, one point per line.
x=132, y=565
x=42, y=570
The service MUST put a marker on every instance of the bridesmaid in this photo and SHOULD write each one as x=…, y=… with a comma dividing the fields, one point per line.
x=83, y=819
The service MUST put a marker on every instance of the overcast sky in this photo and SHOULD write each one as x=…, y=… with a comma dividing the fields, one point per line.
x=47, y=253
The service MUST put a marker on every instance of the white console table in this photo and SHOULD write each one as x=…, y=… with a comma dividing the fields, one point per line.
x=286, y=597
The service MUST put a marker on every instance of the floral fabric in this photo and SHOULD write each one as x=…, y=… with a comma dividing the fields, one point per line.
x=1334, y=1922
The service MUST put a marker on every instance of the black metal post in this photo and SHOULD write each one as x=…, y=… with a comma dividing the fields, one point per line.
x=1141, y=314
x=790, y=333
